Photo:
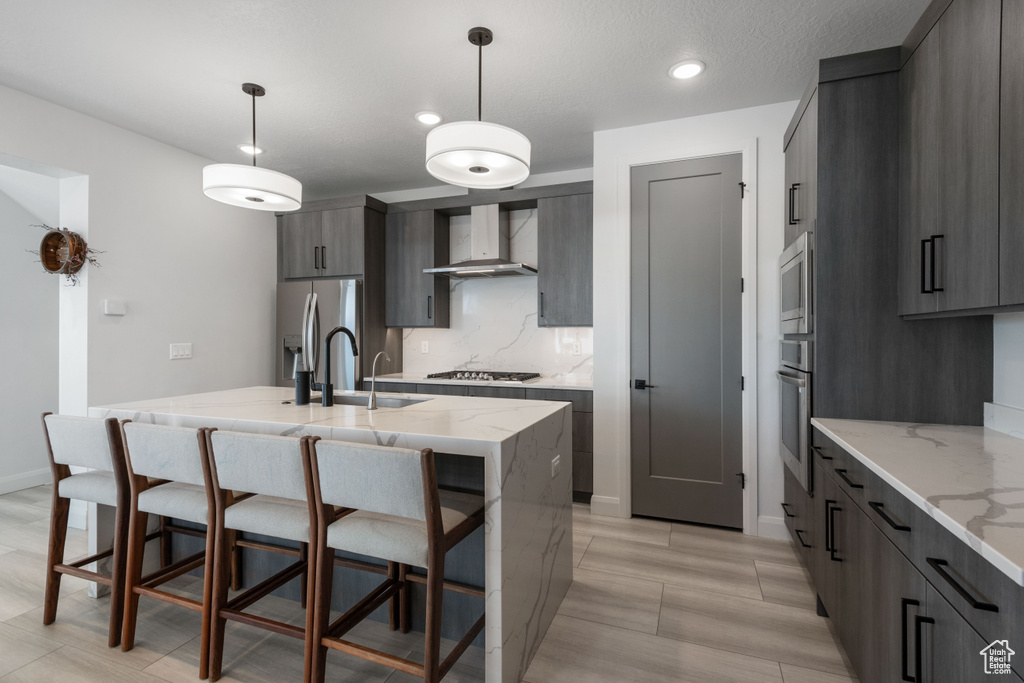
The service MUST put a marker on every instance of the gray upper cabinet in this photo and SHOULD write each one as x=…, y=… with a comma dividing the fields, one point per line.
x=949, y=163
x=1011, y=159
x=323, y=243
x=565, y=261
x=416, y=240
x=802, y=174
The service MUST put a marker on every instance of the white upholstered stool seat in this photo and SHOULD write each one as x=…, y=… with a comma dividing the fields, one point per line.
x=270, y=516
x=175, y=499
x=94, y=487
x=399, y=539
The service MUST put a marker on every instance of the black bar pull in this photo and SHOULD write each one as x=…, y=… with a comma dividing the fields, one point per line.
x=938, y=564
x=316, y=258
x=924, y=259
x=785, y=509
x=905, y=651
x=541, y=307
x=821, y=453
x=323, y=257
x=877, y=507
x=918, y=620
x=842, y=475
x=430, y=313
x=832, y=526
x=800, y=535
x=933, y=240
x=828, y=525
x=793, y=220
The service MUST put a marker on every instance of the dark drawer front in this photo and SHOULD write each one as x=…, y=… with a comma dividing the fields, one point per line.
x=443, y=389
x=846, y=470
x=583, y=432
x=396, y=387
x=582, y=401
x=797, y=511
x=970, y=583
x=891, y=512
x=497, y=392
x=582, y=471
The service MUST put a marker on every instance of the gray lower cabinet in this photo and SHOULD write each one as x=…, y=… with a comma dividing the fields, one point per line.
x=565, y=261
x=396, y=387
x=327, y=243
x=416, y=240
x=443, y=389
x=582, y=436
x=496, y=392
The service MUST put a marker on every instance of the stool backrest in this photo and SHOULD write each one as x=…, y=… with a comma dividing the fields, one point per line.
x=80, y=441
x=372, y=478
x=162, y=452
x=269, y=465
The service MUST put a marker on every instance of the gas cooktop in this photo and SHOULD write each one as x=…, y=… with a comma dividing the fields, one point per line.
x=486, y=376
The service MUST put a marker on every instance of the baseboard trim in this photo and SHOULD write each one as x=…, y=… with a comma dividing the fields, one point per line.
x=772, y=527
x=606, y=506
x=25, y=480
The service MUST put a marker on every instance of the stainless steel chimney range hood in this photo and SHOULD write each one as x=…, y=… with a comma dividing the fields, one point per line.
x=489, y=248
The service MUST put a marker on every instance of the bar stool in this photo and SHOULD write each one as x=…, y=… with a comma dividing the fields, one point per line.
x=96, y=444
x=401, y=516
x=274, y=468
x=169, y=475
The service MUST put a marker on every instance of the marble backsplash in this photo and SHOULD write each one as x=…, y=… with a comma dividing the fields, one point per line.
x=494, y=321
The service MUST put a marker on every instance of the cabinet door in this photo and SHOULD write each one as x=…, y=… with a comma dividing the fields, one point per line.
x=949, y=217
x=802, y=174
x=950, y=650
x=565, y=261
x=300, y=245
x=416, y=240
x=443, y=389
x=497, y=392
x=341, y=252
x=1011, y=158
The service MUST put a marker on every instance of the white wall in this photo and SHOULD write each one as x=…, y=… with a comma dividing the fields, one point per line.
x=664, y=141
x=1008, y=360
x=28, y=329
x=190, y=269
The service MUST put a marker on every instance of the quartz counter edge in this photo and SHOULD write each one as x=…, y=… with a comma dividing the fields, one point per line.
x=564, y=383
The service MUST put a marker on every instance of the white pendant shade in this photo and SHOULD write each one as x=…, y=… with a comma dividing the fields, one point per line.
x=252, y=187
x=478, y=154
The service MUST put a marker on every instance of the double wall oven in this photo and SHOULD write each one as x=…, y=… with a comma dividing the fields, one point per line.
x=795, y=373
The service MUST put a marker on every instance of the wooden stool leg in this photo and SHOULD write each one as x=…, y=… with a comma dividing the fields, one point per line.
x=166, y=549
x=236, y=562
x=118, y=567
x=303, y=556
x=133, y=574
x=435, y=594
x=55, y=554
x=221, y=582
x=309, y=579
x=405, y=600
x=324, y=558
x=208, y=570
x=393, y=603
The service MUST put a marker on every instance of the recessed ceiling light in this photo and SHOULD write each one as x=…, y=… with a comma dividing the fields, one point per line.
x=428, y=118
x=249, y=149
x=687, y=69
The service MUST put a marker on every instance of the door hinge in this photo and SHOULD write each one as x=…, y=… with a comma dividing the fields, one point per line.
x=743, y=190
x=743, y=480
x=743, y=383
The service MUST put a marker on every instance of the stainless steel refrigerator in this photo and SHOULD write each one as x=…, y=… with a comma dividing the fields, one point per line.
x=339, y=302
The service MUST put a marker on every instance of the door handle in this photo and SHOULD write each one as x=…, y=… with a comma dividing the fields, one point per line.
x=924, y=259
x=832, y=526
x=938, y=565
x=541, y=306
x=918, y=620
x=933, y=241
x=316, y=258
x=642, y=384
x=785, y=508
x=793, y=220
x=323, y=257
x=800, y=535
x=905, y=650
x=877, y=507
x=828, y=525
x=842, y=475
x=430, y=312
x=821, y=453
x=795, y=381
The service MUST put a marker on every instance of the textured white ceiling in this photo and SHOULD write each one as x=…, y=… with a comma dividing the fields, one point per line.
x=344, y=78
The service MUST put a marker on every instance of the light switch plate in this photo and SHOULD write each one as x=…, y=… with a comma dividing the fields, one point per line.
x=181, y=351
x=577, y=347
x=556, y=466
x=115, y=307
x=424, y=346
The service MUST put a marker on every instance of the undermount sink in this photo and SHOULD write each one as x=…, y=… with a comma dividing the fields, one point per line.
x=382, y=401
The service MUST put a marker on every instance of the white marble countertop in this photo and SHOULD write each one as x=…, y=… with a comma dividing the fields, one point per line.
x=457, y=424
x=561, y=382
x=969, y=479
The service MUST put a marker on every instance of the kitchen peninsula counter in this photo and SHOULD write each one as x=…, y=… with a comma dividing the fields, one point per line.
x=556, y=382
x=528, y=519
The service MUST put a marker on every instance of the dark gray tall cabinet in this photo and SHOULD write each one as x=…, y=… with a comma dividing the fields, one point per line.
x=417, y=240
x=1011, y=158
x=565, y=261
x=801, y=147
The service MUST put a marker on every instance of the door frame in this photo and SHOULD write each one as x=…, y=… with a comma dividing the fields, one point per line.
x=681, y=151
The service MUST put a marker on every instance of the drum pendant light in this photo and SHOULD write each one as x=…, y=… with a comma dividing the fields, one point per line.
x=478, y=154
x=248, y=186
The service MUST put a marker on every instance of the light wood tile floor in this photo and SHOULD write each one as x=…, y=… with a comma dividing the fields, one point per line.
x=650, y=601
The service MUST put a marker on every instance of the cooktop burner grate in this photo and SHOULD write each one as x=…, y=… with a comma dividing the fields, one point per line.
x=485, y=375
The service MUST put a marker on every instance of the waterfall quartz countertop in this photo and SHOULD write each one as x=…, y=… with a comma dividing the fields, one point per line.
x=969, y=479
x=528, y=518
x=560, y=382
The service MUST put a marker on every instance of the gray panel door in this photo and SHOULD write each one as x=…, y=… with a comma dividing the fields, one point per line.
x=686, y=340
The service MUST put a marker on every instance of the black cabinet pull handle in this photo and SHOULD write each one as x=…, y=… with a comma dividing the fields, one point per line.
x=924, y=258
x=793, y=220
x=800, y=535
x=541, y=307
x=938, y=565
x=842, y=475
x=877, y=507
x=918, y=620
x=430, y=313
x=323, y=257
x=316, y=258
x=832, y=525
x=821, y=453
x=933, y=240
x=785, y=508
x=828, y=528
x=904, y=652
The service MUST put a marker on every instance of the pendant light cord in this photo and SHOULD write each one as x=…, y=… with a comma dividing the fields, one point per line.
x=253, y=127
x=480, y=83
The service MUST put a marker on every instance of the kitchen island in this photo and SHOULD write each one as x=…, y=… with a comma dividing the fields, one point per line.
x=528, y=515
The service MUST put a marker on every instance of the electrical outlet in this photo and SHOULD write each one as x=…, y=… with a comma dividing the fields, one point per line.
x=181, y=351
x=556, y=466
x=577, y=347
x=424, y=346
